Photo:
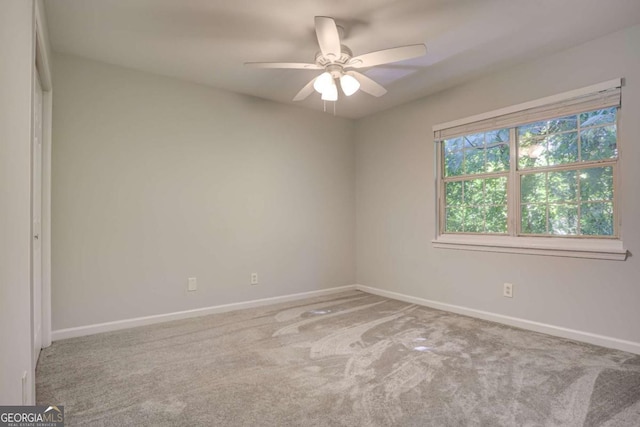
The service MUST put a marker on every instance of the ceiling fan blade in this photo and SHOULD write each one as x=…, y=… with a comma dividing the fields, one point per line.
x=387, y=56
x=368, y=85
x=328, y=37
x=282, y=65
x=305, y=91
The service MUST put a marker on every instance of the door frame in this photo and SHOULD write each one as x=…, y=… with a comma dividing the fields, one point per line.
x=36, y=218
x=42, y=67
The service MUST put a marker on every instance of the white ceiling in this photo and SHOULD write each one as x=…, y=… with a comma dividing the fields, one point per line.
x=207, y=41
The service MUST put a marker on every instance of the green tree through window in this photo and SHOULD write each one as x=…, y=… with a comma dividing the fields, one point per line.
x=564, y=171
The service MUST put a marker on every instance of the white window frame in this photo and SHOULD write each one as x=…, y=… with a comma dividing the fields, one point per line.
x=610, y=248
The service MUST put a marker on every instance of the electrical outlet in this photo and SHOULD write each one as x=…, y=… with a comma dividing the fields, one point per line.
x=254, y=278
x=193, y=284
x=507, y=290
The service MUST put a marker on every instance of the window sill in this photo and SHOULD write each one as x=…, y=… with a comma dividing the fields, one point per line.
x=610, y=249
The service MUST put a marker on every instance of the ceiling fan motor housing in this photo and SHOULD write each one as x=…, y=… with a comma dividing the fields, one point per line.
x=345, y=56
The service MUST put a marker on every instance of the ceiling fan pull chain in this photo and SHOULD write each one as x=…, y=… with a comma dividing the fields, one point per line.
x=324, y=106
x=334, y=108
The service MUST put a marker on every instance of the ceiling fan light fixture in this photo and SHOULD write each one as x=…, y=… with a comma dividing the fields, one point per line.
x=330, y=93
x=349, y=84
x=337, y=62
x=323, y=81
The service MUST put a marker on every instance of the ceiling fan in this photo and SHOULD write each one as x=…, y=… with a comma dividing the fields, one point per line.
x=338, y=63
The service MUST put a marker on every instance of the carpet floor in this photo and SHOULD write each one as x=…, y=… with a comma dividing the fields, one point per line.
x=348, y=359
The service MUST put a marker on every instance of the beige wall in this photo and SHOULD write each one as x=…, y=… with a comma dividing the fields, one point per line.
x=156, y=180
x=16, y=51
x=395, y=202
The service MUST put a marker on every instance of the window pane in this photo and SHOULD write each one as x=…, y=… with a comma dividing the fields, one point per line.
x=496, y=219
x=497, y=136
x=495, y=191
x=563, y=219
x=563, y=124
x=474, y=161
x=534, y=219
x=498, y=157
x=476, y=205
x=598, y=117
x=454, y=220
x=596, y=219
x=453, y=191
x=533, y=188
x=532, y=129
x=497, y=144
x=477, y=153
x=562, y=148
x=532, y=152
x=599, y=143
x=546, y=127
x=453, y=163
x=562, y=186
x=596, y=184
x=555, y=149
x=550, y=202
x=548, y=142
x=473, y=192
x=474, y=219
x=452, y=145
x=529, y=151
x=473, y=141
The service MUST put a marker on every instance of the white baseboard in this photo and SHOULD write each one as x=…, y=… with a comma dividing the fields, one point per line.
x=601, y=340
x=79, y=331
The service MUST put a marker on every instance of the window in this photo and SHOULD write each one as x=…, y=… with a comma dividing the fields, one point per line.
x=566, y=168
x=476, y=171
x=514, y=178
